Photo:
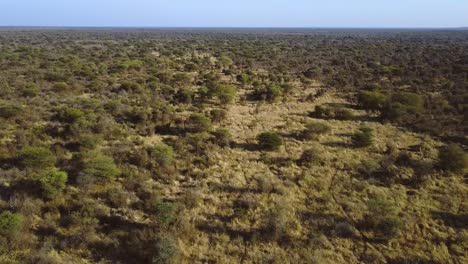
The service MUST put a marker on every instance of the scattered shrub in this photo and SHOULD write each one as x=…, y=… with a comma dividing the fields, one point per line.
x=314, y=129
x=453, y=158
x=199, y=123
x=372, y=100
x=222, y=137
x=363, y=138
x=60, y=87
x=343, y=114
x=269, y=141
x=218, y=115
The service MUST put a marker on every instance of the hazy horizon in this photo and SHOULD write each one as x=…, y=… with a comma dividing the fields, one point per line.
x=239, y=14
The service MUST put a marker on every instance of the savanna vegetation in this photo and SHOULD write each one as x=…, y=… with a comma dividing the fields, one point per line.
x=158, y=146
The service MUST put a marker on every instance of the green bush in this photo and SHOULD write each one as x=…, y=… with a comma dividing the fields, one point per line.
x=199, y=123
x=314, y=129
x=30, y=90
x=162, y=154
x=37, y=158
x=363, y=138
x=269, y=141
x=60, y=87
x=226, y=93
x=453, y=158
x=273, y=92
x=10, y=223
x=165, y=213
x=371, y=100
x=53, y=182
x=96, y=166
x=71, y=115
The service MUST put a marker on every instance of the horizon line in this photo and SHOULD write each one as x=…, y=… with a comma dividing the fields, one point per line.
x=234, y=27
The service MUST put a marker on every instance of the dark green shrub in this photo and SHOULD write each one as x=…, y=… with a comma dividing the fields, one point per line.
x=37, y=158
x=390, y=227
x=53, y=182
x=453, y=158
x=199, y=123
x=363, y=138
x=162, y=154
x=9, y=110
x=269, y=141
x=314, y=129
x=322, y=112
x=10, y=223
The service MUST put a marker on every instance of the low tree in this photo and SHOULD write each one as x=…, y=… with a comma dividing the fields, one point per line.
x=96, y=167
x=162, y=154
x=37, y=158
x=53, y=182
x=269, y=141
x=10, y=223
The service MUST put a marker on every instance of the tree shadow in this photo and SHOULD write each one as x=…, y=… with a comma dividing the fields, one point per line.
x=337, y=144
x=246, y=146
x=452, y=220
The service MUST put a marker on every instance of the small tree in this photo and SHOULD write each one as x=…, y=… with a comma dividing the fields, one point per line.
x=269, y=141
x=10, y=223
x=53, y=182
x=362, y=138
x=226, y=93
x=453, y=158
x=37, y=158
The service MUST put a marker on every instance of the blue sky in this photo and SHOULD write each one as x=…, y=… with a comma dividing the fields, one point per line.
x=235, y=13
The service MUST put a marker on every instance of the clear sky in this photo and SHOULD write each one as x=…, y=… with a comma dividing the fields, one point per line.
x=235, y=13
